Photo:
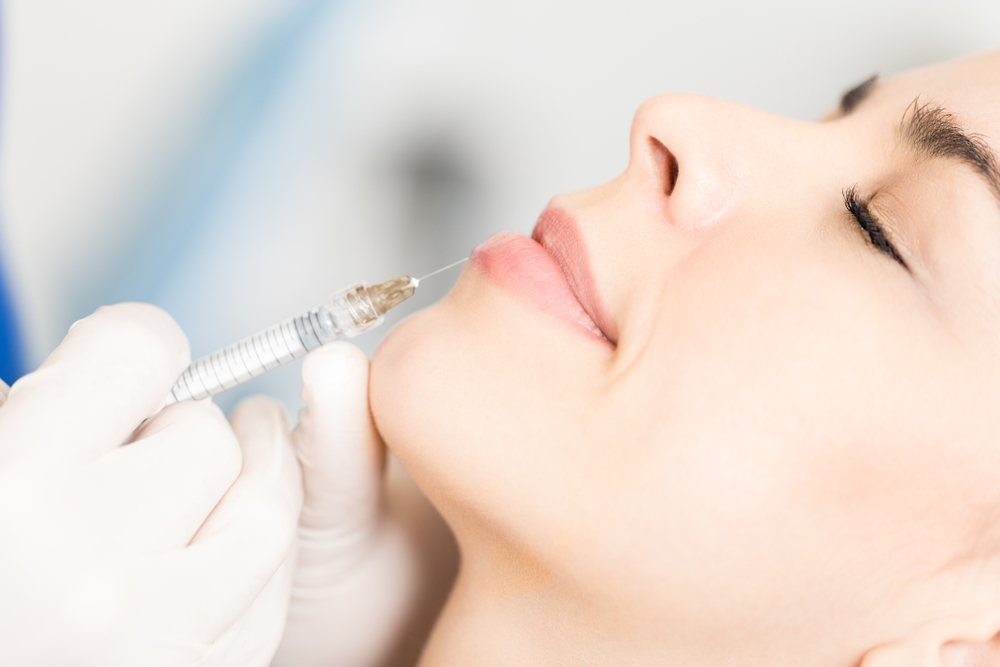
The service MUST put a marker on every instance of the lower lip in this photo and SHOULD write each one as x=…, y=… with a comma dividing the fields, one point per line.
x=521, y=266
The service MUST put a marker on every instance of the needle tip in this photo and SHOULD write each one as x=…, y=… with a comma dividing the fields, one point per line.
x=434, y=273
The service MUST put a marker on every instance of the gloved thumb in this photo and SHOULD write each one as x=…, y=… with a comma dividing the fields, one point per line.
x=341, y=453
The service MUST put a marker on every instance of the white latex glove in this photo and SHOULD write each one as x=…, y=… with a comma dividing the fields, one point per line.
x=176, y=549
x=375, y=563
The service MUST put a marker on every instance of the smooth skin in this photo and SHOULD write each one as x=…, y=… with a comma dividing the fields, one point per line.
x=788, y=454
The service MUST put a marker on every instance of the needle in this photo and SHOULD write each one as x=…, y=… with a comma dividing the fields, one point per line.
x=434, y=273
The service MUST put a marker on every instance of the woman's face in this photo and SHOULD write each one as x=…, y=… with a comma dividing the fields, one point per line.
x=709, y=397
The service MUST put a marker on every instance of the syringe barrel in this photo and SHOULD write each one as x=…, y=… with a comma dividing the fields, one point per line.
x=255, y=355
x=350, y=312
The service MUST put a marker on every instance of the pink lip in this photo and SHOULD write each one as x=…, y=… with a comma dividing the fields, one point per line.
x=523, y=267
x=551, y=268
x=558, y=233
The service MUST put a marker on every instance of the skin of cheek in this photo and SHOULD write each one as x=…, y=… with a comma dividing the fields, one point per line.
x=800, y=429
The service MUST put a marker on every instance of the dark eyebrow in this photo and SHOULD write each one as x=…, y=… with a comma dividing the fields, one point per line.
x=930, y=131
x=856, y=95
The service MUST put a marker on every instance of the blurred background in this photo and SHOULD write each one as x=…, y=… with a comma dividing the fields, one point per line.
x=236, y=161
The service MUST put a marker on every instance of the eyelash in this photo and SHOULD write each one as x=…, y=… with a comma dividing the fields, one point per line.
x=871, y=226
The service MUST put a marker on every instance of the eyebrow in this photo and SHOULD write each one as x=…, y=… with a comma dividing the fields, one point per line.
x=856, y=95
x=932, y=132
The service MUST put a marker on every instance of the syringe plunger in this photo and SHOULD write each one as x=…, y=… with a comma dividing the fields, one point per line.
x=350, y=312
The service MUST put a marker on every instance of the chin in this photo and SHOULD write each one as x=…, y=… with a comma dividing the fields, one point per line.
x=398, y=383
x=416, y=393
x=480, y=398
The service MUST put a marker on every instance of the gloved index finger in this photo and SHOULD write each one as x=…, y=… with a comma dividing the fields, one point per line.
x=111, y=371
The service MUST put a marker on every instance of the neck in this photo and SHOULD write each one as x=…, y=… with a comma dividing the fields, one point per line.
x=518, y=613
x=508, y=609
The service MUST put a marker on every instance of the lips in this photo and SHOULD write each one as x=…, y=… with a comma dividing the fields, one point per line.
x=550, y=269
x=557, y=232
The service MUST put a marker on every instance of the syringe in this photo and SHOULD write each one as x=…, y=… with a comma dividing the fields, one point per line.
x=349, y=312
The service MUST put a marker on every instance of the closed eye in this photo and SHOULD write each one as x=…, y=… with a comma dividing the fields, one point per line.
x=870, y=225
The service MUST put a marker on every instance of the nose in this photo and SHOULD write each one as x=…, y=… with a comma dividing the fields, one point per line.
x=694, y=150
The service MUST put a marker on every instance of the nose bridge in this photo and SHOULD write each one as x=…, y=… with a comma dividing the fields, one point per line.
x=713, y=143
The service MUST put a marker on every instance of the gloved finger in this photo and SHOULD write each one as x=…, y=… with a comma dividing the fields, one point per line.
x=252, y=640
x=341, y=453
x=368, y=605
x=111, y=371
x=156, y=493
x=176, y=634
x=250, y=532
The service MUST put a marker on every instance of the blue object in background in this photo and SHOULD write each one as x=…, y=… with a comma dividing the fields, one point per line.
x=11, y=353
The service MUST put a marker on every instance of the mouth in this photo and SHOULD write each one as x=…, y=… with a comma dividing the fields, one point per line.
x=558, y=233
x=550, y=270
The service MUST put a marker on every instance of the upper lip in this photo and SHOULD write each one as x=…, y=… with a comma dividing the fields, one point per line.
x=559, y=234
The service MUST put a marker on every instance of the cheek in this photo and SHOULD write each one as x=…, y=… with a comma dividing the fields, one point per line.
x=792, y=430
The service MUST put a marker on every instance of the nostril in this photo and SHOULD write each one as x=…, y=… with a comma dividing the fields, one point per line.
x=672, y=173
x=665, y=164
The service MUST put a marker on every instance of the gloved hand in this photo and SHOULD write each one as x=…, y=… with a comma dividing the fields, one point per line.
x=375, y=560
x=177, y=549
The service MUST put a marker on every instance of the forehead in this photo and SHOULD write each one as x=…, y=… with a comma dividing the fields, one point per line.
x=969, y=88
